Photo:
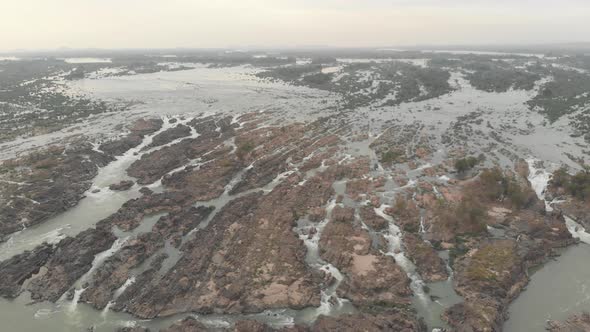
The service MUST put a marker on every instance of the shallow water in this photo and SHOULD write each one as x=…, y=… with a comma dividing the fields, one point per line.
x=558, y=290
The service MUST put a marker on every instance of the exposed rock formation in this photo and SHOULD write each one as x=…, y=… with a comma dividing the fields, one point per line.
x=43, y=184
x=73, y=256
x=14, y=271
x=575, y=323
x=121, y=186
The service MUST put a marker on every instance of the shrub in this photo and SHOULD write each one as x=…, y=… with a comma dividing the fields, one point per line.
x=495, y=185
x=577, y=185
x=244, y=149
x=391, y=156
x=464, y=164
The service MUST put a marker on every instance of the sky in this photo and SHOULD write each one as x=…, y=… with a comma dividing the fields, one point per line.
x=48, y=24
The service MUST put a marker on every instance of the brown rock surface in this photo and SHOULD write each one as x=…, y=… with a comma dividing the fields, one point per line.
x=248, y=259
x=575, y=323
x=387, y=320
x=73, y=256
x=170, y=135
x=121, y=186
x=428, y=264
x=43, y=184
x=370, y=277
x=14, y=271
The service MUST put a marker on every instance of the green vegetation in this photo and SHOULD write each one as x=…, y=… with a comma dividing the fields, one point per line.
x=500, y=77
x=490, y=262
x=464, y=164
x=365, y=83
x=565, y=94
x=495, y=185
x=466, y=218
x=392, y=156
x=577, y=185
x=317, y=79
x=243, y=149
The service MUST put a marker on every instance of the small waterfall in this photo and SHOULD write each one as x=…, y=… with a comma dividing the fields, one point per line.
x=314, y=260
x=394, y=239
x=577, y=230
x=98, y=260
x=422, y=228
x=74, y=304
x=539, y=179
x=117, y=293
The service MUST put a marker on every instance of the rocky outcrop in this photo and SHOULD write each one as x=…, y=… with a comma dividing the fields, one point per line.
x=137, y=131
x=371, y=278
x=175, y=225
x=122, y=186
x=115, y=271
x=263, y=171
x=488, y=277
x=247, y=259
x=169, y=135
x=143, y=127
x=575, y=323
x=207, y=181
x=16, y=270
x=72, y=258
x=133, y=329
x=119, y=146
x=188, y=324
x=385, y=320
x=43, y=184
x=131, y=214
x=154, y=165
x=428, y=264
x=371, y=219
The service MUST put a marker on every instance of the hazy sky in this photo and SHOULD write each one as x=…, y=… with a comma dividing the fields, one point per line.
x=287, y=23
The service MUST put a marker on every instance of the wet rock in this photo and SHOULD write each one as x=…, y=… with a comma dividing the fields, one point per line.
x=122, y=186
x=73, y=256
x=133, y=329
x=119, y=146
x=406, y=214
x=131, y=214
x=428, y=264
x=138, y=130
x=575, y=323
x=206, y=182
x=488, y=277
x=144, y=127
x=370, y=276
x=178, y=224
x=248, y=259
x=371, y=219
x=170, y=135
x=145, y=191
x=16, y=270
x=386, y=320
x=188, y=324
x=152, y=166
x=251, y=326
x=263, y=171
x=115, y=271
x=45, y=183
